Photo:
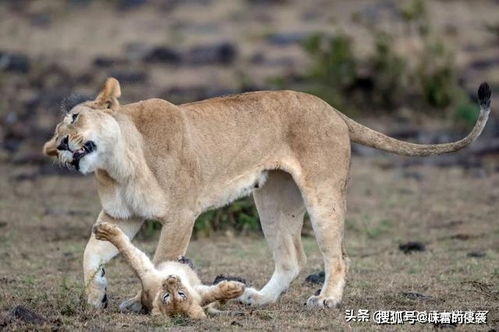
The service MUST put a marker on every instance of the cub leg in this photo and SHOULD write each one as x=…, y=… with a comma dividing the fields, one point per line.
x=173, y=242
x=97, y=253
x=281, y=209
x=224, y=290
x=138, y=261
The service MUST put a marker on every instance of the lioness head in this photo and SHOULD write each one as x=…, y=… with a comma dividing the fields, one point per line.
x=88, y=132
x=175, y=299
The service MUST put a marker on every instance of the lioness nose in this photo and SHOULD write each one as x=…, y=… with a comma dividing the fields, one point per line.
x=64, y=145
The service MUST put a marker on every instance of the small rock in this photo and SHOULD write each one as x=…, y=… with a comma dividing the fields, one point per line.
x=316, y=278
x=236, y=323
x=162, y=54
x=412, y=246
x=11, y=144
x=415, y=296
x=477, y=254
x=14, y=62
x=27, y=316
x=25, y=177
x=105, y=62
x=130, y=76
x=221, y=278
x=464, y=236
x=222, y=53
x=412, y=175
x=482, y=64
x=285, y=39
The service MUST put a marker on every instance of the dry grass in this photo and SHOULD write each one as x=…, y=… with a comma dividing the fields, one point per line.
x=44, y=224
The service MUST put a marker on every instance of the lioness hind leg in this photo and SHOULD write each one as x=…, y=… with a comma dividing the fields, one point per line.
x=97, y=254
x=281, y=210
x=324, y=194
x=328, y=224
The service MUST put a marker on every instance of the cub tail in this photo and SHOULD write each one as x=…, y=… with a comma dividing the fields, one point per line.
x=372, y=138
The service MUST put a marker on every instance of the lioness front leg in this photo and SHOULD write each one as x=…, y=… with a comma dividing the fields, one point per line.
x=97, y=254
x=224, y=290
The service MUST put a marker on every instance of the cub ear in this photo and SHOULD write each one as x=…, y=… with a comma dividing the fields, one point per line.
x=108, y=97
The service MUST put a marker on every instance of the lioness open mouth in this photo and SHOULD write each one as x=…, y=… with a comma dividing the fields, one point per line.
x=87, y=148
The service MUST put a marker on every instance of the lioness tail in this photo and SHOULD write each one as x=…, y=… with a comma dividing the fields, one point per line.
x=372, y=138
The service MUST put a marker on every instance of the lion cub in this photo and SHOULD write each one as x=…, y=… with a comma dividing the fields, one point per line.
x=171, y=288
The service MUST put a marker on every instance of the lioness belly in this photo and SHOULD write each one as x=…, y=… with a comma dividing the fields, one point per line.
x=232, y=189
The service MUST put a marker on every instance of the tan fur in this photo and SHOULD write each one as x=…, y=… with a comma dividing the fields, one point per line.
x=171, y=288
x=157, y=160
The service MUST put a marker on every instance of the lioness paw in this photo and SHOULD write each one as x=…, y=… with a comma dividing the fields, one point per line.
x=252, y=297
x=319, y=301
x=97, y=291
x=105, y=231
x=132, y=305
x=231, y=289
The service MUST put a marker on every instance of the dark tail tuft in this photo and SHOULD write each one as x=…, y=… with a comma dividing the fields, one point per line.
x=484, y=95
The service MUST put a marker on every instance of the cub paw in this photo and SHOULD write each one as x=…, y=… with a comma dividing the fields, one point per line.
x=318, y=301
x=231, y=289
x=105, y=231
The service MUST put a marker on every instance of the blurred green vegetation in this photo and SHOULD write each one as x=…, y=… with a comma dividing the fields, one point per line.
x=240, y=217
x=386, y=81
x=333, y=67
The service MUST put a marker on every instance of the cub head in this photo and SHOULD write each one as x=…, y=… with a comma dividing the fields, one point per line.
x=175, y=299
x=88, y=132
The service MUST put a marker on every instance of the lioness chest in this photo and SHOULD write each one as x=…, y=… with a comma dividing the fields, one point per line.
x=130, y=200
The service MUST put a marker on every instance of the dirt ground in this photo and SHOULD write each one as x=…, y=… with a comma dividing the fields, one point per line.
x=45, y=222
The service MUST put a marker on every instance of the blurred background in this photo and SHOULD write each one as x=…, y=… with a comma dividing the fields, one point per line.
x=409, y=68
x=422, y=232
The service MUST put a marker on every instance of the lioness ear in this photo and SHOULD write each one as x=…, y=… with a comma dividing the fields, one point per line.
x=108, y=97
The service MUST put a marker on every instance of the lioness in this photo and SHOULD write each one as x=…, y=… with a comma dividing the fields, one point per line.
x=156, y=160
x=171, y=288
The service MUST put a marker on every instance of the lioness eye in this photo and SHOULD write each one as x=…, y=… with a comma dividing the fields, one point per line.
x=165, y=297
x=181, y=294
x=75, y=116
